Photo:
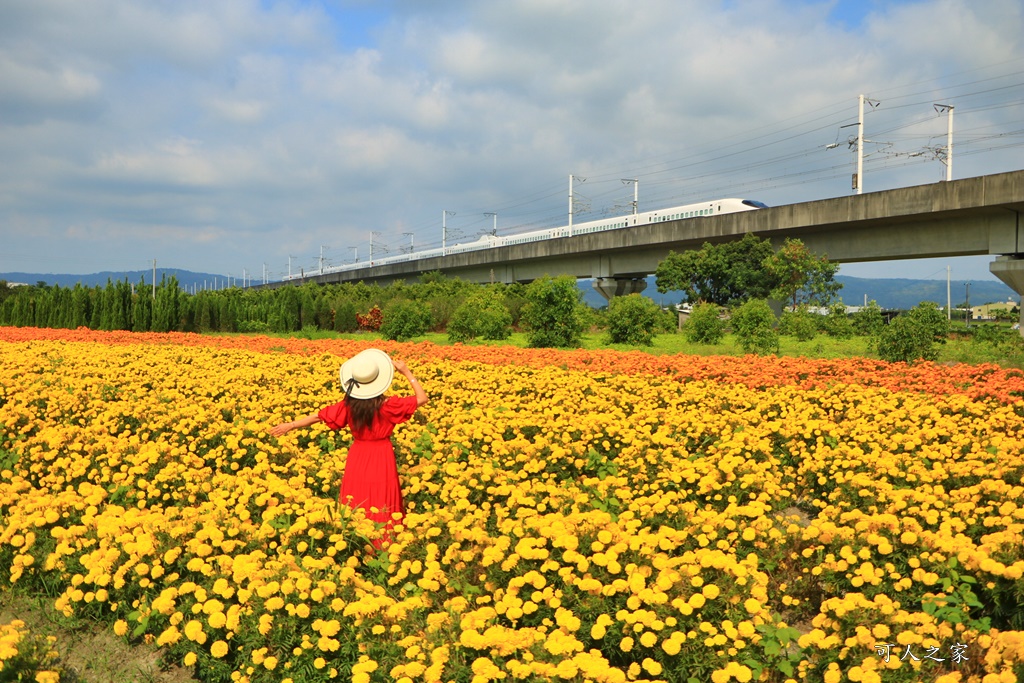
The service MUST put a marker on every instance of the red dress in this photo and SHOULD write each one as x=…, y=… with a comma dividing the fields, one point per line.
x=371, y=476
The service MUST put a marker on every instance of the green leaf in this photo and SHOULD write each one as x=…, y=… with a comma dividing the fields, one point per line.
x=772, y=648
x=785, y=667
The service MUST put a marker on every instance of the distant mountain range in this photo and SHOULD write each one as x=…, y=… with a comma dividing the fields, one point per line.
x=889, y=293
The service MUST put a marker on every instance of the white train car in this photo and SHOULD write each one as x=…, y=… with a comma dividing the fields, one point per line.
x=673, y=213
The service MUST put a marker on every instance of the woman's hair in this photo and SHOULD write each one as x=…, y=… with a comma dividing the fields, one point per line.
x=363, y=410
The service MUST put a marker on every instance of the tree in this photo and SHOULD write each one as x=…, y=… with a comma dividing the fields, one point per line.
x=722, y=274
x=553, y=312
x=801, y=276
x=632, y=319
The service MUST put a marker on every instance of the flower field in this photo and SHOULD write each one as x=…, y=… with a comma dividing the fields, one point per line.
x=576, y=516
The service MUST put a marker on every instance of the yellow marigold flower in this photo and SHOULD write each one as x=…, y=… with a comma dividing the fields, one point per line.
x=710, y=591
x=120, y=627
x=626, y=644
x=219, y=648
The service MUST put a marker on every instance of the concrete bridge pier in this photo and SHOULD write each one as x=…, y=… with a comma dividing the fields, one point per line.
x=614, y=286
x=1010, y=269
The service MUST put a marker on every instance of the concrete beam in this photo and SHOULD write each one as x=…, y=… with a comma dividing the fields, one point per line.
x=610, y=286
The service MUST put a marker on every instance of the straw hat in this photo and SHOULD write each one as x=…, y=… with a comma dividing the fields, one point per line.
x=370, y=373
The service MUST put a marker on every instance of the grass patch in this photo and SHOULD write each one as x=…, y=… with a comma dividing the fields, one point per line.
x=956, y=350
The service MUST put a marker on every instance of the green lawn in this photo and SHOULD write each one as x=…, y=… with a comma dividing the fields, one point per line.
x=956, y=350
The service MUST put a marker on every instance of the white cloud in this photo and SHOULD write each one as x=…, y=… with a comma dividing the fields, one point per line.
x=250, y=124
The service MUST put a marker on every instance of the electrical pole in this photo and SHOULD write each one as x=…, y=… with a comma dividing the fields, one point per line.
x=949, y=302
x=444, y=229
x=636, y=191
x=494, y=230
x=410, y=235
x=948, y=108
x=570, y=205
x=967, y=313
x=355, y=256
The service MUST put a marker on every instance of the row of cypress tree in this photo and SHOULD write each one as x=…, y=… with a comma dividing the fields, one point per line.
x=122, y=306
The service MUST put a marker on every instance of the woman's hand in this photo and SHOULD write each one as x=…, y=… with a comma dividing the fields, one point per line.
x=281, y=429
x=400, y=366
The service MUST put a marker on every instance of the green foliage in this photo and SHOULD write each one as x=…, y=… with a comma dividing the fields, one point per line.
x=799, y=323
x=483, y=314
x=253, y=326
x=932, y=320
x=837, y=322
x=404, y=320
x=754, y=326
x=913, y=335
x=704, y=326
x=345, y=316
x=868, y=321
x=722, y=274
x=553, y=312
x=800, y=276
x=632, y=319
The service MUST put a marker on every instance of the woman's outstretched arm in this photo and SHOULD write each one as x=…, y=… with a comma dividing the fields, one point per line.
x=286, y=427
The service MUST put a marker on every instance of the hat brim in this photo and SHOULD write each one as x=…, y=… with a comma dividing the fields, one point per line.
x=385, y=374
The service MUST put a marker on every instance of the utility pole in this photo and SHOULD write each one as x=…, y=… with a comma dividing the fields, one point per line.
x=322, y=247
x=636, y=191
x=967, y=313
x=494, y=230
x=444, y=229
x=410, y=235
x=948, y=108
x=264, y=273
x=949, y=302
x=570, y=205
x=355, y=256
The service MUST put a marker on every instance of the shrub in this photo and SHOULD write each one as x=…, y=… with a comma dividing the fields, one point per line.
x=404, y=320
x=372, y=320
x=868, y=321
x=483, y=314
x=704, y=326
x=345, y=317
x=553, y=312
x=754, y=326
x=442, y=308
x=632, y=319
x=903, y=339
x=837, y=323
x=932, y=320
x=800, y=323
x=914, y=334
x=253, y=326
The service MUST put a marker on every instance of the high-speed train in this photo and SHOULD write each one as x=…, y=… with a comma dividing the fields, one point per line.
x=703, y=209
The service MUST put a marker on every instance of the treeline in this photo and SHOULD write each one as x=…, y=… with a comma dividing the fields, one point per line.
x=122, y=306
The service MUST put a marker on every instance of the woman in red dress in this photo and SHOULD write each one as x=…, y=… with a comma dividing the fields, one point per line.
x=370, y=481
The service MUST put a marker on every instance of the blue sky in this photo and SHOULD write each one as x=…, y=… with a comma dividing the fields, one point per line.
x=239, y=135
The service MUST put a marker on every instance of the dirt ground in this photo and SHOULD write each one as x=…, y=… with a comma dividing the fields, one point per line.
x=90, y=652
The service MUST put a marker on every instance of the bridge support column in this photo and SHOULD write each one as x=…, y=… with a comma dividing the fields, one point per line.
x=612, y=286
x=1010, y=269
